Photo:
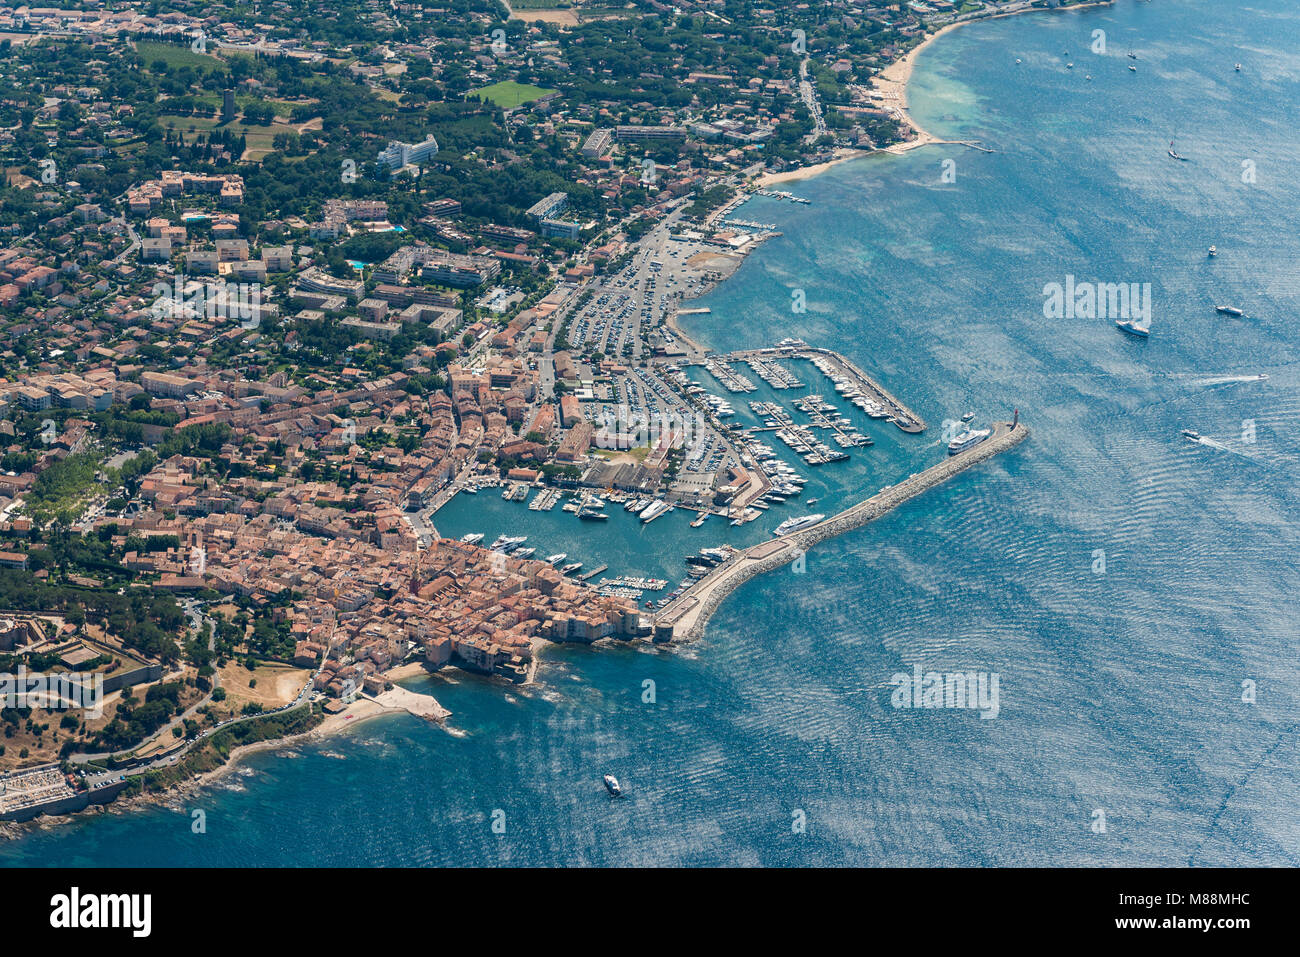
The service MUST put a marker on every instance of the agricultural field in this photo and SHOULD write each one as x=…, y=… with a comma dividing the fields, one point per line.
x=258, y=139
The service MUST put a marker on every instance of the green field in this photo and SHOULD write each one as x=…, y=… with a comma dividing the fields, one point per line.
x=509, y=94
x=257, y=138
x=175, y=56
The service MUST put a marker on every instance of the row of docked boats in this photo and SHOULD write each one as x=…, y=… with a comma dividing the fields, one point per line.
x=510, y=545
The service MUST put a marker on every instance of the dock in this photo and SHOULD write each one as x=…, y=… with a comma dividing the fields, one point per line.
x=593, y=573
x=686, y=616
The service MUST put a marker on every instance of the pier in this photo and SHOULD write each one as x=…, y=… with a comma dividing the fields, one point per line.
x=686, y=616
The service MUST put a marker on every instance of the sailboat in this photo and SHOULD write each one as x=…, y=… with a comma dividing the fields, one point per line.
x=1174, y=153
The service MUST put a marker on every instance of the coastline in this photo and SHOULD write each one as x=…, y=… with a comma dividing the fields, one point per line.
x=394, y=701
x=893, y=80
x=842, y=155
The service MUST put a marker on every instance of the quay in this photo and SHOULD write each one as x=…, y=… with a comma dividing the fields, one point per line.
x=685, y=617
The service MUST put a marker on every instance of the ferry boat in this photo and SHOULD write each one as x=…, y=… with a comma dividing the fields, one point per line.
x=1229, y=311
x=612, y=786
x=1129, y=326
x=1194, y=436
x=968, y=440
x=473, y=538
x=797, y=524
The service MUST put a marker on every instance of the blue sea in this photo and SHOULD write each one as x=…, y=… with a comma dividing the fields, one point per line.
x=1136, y=593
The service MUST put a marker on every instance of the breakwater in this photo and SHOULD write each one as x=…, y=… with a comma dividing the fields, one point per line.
x=686, y=617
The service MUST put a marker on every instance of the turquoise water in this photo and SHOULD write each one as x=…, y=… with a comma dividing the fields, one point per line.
x=1120, y=691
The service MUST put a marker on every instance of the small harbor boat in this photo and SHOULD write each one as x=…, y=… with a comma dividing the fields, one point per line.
x=1131, y=327
x=612, y=786
x=1214, y=251
x=1194, y=436
x=1229, y=311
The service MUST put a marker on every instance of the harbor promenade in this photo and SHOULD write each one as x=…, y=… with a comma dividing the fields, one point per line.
x=688, y=615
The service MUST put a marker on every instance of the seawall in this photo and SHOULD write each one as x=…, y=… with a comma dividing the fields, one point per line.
x=688, y=615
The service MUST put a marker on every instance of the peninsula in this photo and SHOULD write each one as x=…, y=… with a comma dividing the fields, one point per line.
x=285, y=293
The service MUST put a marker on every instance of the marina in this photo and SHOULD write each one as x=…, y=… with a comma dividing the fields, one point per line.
x=545, y=500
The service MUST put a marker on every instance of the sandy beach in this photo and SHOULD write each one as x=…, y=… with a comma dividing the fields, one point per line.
x=892, y=82
x=842, y=155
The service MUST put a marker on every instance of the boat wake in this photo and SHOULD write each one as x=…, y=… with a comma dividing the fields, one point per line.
x=1228, y=380
x=1220, y=447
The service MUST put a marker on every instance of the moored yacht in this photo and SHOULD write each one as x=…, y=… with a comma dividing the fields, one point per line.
x=797, y=524
x=1131, y=327
x=968, y=440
